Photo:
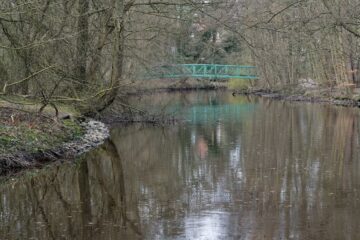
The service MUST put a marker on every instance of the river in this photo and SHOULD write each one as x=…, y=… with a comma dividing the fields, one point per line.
x=237, y=168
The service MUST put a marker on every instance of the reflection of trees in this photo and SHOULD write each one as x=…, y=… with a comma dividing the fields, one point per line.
x=296, y=160
x=69, y=201
x=285, y=170
x=178, y=101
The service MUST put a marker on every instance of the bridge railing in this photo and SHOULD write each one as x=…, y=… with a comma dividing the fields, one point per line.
x=211, y=71
x=220, y=71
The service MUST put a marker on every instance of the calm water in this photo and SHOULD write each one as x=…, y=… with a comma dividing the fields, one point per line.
x=239, y=168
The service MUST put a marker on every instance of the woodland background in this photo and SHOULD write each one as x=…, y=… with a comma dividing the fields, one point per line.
x=87, y=51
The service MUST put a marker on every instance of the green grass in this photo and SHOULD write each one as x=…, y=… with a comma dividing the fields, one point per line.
x=76, y=130
x=35, y=134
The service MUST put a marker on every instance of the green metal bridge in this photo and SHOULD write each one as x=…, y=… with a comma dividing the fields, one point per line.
x=210, y=71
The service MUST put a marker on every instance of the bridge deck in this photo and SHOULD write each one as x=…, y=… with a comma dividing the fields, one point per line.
x=211, y=71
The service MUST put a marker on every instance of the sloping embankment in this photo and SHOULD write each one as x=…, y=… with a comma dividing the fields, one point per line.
x=95, y=134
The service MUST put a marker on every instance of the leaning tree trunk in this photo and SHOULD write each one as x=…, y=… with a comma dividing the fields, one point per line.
x=117, y=61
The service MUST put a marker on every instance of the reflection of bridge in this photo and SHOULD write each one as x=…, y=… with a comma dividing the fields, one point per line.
x=227, y=112
x=213, y=113
x=211, y=71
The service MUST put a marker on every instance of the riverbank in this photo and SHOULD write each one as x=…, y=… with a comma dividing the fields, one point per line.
x=341, y=96
x=169, y=85
x=29, y=140
x=322, y=96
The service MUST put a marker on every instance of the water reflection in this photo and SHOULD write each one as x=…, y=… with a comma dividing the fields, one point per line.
x=280, y=171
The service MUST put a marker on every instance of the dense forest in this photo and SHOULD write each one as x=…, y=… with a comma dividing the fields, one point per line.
x=86, y=51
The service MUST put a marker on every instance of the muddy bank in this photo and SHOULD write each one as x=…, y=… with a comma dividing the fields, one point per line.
x=298, y=97
x=140, y=118
x=95, y=133
x=171, y=85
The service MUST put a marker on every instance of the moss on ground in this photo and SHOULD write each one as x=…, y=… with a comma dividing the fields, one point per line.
x=238, y=84
x=22, y=131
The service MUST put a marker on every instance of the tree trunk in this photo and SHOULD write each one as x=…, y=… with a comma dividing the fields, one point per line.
x=117, y=60
x=82, y=41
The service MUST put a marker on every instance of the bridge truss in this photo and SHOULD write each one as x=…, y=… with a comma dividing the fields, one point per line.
x=210, y=71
